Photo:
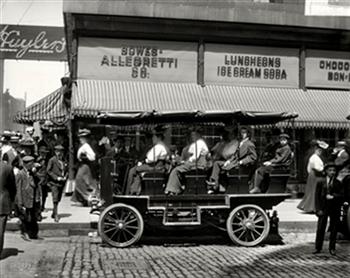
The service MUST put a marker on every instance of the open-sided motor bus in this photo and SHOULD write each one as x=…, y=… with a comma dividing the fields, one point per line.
x=244, y=216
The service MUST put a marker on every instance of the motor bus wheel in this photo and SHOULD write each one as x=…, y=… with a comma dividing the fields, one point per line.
x=248, y=225
x=120, y=225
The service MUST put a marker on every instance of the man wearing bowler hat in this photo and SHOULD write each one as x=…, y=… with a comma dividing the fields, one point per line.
x=56, y=171
x=282, y=157
x=328, y=200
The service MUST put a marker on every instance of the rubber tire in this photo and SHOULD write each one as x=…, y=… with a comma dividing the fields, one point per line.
x=244, y=243
x=109, y=241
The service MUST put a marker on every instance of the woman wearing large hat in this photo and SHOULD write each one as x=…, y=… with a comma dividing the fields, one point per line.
x=315, y=169
x=84, y=181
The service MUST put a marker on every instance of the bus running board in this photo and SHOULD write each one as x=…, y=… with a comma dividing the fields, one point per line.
x=181, y=216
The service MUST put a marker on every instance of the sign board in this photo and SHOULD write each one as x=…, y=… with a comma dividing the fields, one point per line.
x=327, y=7
x=32, y=43
x=327, y=69
x=137, y=60
x=251, y=66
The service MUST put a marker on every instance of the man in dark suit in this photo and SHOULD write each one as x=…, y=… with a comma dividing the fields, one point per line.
x=282, y=157
x=7, y=196
x=328, y=200
x=56, y=171
x=242, y=154
x=28, y=198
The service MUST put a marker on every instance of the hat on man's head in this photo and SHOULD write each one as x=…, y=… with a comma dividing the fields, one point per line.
x=322, y=144
x=43, y=149
x=14, y=139
x=27, y=159
x=84, y=132
x=59, y=148
x=341, y=144
x=329, y=164
x=27, y=142
x=284, y=135
x=6, y=136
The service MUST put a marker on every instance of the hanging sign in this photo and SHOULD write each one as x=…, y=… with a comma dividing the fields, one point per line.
x=327, y=69
x=32, y=43
x=251, y=66
x=137, y=60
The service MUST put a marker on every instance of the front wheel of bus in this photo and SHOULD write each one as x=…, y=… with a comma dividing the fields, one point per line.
x=120, y=225
x=248, y=225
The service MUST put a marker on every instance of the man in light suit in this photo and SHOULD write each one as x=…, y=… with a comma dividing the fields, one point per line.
x=7, y=196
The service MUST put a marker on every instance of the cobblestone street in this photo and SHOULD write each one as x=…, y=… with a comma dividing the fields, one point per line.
x=83, y=257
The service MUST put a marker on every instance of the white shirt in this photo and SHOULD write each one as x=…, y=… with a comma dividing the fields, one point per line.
x=315, y=163
x=157, y=152
x=197, y=149
x=85, y=148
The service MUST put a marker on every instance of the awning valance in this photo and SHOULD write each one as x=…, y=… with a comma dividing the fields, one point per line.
x=316, y=108
x=50, y=108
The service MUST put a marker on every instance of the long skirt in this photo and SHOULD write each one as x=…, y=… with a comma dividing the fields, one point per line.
x=85, y=184
x=307, y=204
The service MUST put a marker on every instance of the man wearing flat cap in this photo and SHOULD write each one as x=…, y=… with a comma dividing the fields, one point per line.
x=28, y=199
x=57, y=175
x=283, y=156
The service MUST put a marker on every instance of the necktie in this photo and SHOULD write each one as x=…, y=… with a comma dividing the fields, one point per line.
x=329, y=185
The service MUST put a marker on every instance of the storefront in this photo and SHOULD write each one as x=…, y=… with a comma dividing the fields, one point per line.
x=168, y=57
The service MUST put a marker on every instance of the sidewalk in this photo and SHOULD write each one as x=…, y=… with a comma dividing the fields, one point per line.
x=77, y=220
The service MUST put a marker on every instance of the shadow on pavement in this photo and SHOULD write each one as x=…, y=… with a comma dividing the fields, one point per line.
x=296, y=261
x=9, y=252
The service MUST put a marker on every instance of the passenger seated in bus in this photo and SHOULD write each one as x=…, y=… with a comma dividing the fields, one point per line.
x=224, y=155
x=244, y=156
x=198, y=151
x=155, y=161
x=117, y=151
x=282, y=158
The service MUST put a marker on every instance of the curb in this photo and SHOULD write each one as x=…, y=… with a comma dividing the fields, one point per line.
x=72, y=229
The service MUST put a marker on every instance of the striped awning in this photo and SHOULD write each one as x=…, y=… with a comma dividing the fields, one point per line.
x=316, y=108
x=50, y=108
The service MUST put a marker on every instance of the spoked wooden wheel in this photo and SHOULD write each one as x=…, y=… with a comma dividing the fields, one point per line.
x=120, y=225
x=248, y=225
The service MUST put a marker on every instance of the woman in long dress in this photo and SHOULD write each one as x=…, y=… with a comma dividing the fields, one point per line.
x=85, y=183
x=314, y=168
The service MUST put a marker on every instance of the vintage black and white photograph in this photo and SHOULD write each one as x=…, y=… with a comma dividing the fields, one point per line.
x=175, y=138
